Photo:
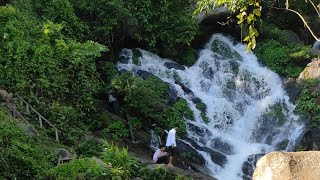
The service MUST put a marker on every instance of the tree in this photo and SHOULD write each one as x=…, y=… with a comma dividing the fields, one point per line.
x=249, y=11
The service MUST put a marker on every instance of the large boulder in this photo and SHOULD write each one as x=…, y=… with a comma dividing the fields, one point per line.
x=288, y=165
x=312, y=71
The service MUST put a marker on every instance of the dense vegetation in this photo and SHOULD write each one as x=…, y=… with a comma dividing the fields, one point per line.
x=22, y=157
x=60, y=55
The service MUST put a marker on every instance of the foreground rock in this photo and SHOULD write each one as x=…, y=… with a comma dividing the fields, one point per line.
x=312, y=71
x=175, y=170
x=288, y=165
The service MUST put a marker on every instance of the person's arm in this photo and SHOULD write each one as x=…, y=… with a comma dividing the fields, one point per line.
x=156, y=155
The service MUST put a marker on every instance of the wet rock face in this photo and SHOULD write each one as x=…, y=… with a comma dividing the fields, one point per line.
x=145, y=74
x=171, y=65
x=311, y=140
x=217, y=157
x=185, y=88
x=172, y=95
x=200, y=131
x=288, y=165
x=293, y=88
x=186, y=152
x=249, y=165
x=222, y=146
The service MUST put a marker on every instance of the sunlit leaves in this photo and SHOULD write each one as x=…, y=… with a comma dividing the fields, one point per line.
x=248, y=12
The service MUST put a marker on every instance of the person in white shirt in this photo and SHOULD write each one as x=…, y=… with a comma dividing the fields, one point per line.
x=171, y=143
x=161, y=156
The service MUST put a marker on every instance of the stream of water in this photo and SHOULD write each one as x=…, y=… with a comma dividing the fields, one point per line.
x=248, y=109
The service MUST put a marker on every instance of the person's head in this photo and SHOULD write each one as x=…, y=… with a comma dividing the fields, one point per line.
x=162, y=147
x=176, y=126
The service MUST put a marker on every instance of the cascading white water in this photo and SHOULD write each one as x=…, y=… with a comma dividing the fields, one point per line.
x=249, y=112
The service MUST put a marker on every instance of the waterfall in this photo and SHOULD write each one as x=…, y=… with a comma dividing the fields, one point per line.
x=248, y=112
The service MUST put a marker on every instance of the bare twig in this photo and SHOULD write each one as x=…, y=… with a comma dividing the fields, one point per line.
x=315, y=8
x=303, y=20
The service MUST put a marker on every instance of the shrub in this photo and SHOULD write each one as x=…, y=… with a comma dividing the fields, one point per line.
x=284, y=59
x=160, y=174
x=88, y=147
x=176, y=114
x=56, y=73
x=22, y=157
x=307, y=102
x=80, y=169
x=117, y=129
x=120, y=159
x=145, y=99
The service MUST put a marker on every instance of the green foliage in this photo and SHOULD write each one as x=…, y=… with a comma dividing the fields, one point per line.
x=308, y=102
x=189, y=58
x=147, y=99
x=166, y=26
x=135, y=123
x=248, y=12
x=286, y=60
x=136, y=55
x=103, y=19
x=56, y=73
x=182, y=106
x=160, y=174
x=286, y=20
x=276, y=113
x=119, y=158
x=203, y=108
x=89, y=147
x=22, y=157
x=80, y=169
x=60, y=12
x=142, y=98
x=118, y=130
x=176, y=114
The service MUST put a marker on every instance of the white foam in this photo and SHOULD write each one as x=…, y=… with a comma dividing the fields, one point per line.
x=235, y=112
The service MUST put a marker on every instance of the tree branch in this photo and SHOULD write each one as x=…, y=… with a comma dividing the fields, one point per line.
x=304, y=21
x=315, y=8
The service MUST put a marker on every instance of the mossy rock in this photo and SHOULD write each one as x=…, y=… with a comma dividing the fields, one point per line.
x=203, y=108
x=136, y=54
x=224, y=50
